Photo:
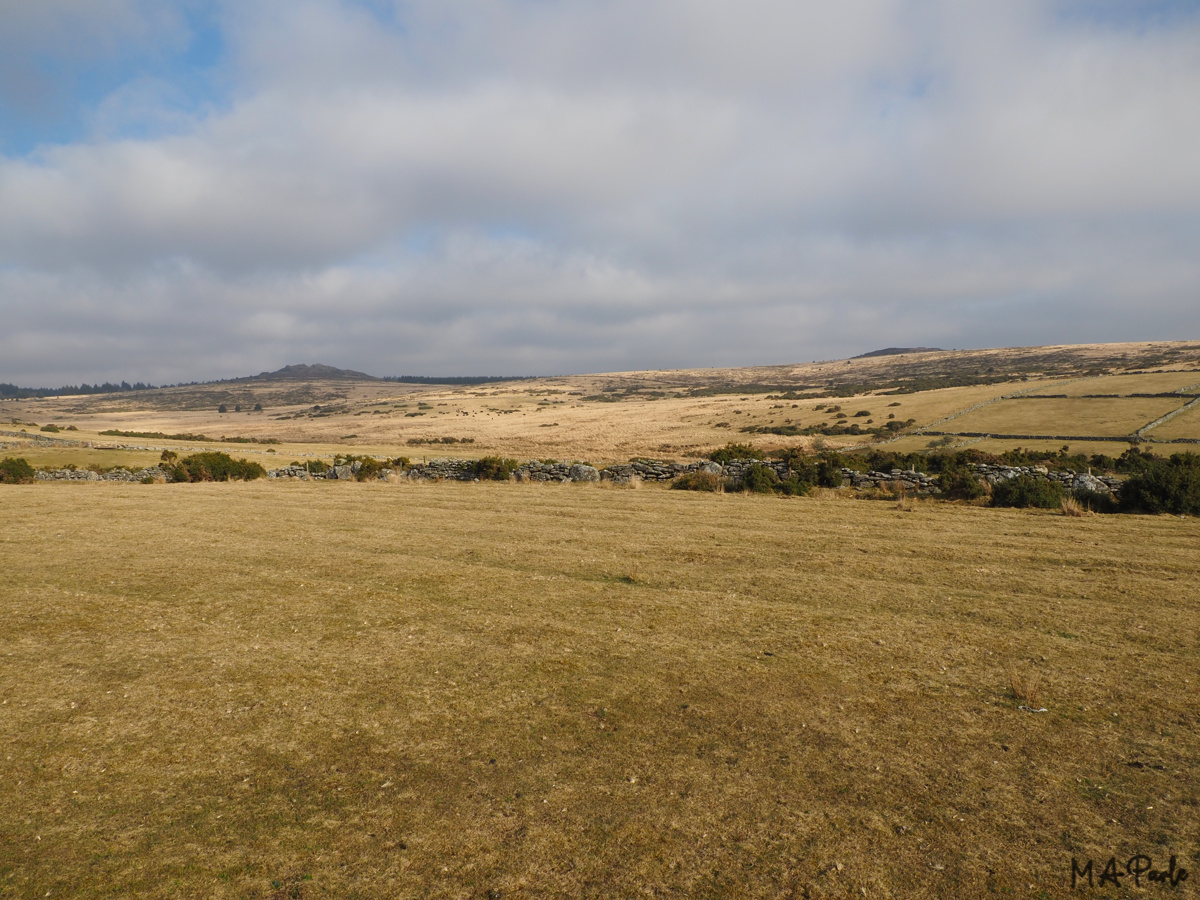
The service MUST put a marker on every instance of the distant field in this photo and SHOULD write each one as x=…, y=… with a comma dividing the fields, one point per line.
x=1148, y=383
x=343, y=690
x=1185, y=425
x=1068, y=417
x=991, y=445
x=611, y=417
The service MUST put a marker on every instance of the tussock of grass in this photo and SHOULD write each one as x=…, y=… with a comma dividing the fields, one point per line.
x=1073, y=508
x=1026, y=687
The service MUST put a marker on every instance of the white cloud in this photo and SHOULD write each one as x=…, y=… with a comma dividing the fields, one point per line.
x=506, y=186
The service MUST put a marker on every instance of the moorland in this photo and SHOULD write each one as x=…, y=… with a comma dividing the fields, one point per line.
x=421, y=689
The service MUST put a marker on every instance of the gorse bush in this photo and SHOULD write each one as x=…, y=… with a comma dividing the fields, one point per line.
x=829, y=474
x=960, y=483
x=733, y=451
x=793, y=486
x=368, y=466
x=15, y=471
x=1095, y=501
x=1024, y=491
x=699, y=481
x=494, y=468
x=215, y=466
x=759, y=479
x=1171, y=486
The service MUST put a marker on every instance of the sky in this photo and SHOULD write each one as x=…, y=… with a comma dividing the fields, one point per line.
x=202, y=189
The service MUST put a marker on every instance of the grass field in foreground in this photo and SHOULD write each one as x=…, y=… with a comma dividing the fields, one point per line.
x=332, y=690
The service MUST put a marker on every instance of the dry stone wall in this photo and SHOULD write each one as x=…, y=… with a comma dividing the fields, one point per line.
x=909, y=480
x=154, y=472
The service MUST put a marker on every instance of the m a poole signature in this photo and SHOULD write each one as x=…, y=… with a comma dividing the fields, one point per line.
x=1138, y=867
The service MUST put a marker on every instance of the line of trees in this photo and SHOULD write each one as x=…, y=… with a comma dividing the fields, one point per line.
x=12, y=391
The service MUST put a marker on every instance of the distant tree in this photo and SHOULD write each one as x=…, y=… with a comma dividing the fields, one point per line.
x=222, y=408
x=258, y=407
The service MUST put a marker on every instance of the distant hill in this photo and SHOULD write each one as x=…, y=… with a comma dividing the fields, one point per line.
x=897, y=351
x=314, y=373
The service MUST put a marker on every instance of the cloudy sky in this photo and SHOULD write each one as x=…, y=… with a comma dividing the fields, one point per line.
x=201, y=189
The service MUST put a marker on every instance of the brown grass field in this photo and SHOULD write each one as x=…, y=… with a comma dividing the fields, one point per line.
x=679, y=414
x=1182, y=426
x=1074, y=416
x=1151, y=382
x=500, y=690
x=273, y=690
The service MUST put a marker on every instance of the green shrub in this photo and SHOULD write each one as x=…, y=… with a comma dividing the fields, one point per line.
x=1171, y=486
x=959, y=483
x=494, y=468
x=15, y=471
x=215, y=466
x=1095, y=501
x=368, y=468
x=792, y=486
x=402, y=462
x=1025, y=491
x=829, y=474
x=699, y=481
x=53, y=429
x=759, y=479
x=734, y=451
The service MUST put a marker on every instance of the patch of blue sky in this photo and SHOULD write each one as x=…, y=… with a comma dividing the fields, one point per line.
x=422, y=240
x=385, y=12
x=896, y=98
x=56, y=98
x=512, y=233
x=1139, y=16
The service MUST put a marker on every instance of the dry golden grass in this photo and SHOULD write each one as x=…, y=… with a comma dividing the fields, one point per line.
x=1184, y=425
x=344, y=690
x=560, y=417
x=1072, y=507
x=1026, y=688
x=1145, y=383
x=1084, y=417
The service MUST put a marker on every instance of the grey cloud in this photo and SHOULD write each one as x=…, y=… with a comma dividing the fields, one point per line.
x=39, y=40
x=483, y=187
